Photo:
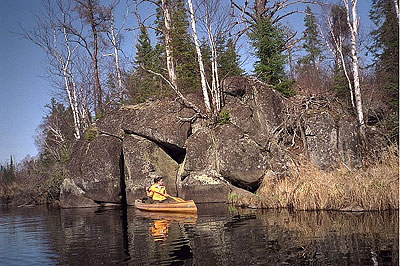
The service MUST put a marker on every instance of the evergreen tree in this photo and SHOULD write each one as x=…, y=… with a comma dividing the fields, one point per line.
x=268, y=42
x=183, y=49
x=312, y=43
x=141, y=83
x=386, y=43
x=228, y=61
x=385, y=49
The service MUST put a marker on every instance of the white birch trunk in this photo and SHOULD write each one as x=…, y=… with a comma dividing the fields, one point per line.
x=199, y=57
x=116, y=59
x=353, y=25
x=71, y=92
x=338, y=49
x=168, y=49
x=215, y=87
x=396, y=7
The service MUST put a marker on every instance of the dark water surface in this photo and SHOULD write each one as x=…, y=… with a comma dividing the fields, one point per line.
x=218, y=235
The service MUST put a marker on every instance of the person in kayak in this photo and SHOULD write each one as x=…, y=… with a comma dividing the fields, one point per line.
x=157, y=191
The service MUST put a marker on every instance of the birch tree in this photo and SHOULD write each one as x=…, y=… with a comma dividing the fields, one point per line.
x=396, y=7
x=114, y=36
x=51, y=35
x=90, y=13
x=353, y=22
x=336, y=46
x=199, y=58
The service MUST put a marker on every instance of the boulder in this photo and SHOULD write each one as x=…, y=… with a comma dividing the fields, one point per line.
x=243, y=116
x=72, y=196
x=144, y=160
x=322, y=139
x=254, y=107
x=200, y=152
x=203, y=188
x=349, y=142
x=111, y=123
x=241, y=161
x=94, y=168
x=158, y=121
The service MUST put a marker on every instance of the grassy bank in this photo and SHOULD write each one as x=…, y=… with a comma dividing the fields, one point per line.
x=373, y=187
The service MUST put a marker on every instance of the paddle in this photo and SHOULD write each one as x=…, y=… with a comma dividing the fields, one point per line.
x=174, y=198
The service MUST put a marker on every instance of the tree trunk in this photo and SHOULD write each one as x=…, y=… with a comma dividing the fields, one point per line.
x=116, y=60
x=353, y=25
x=200, y=58
x=97, y=87
x=71, y=92
x=168, y=48
x=396, y=7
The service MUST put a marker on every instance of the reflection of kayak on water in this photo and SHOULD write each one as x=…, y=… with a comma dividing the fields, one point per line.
x=161, y=221
x=159, y=229
x=186, y=218
x=187, y=206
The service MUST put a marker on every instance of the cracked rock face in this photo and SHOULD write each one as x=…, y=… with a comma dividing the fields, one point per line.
x=144, y=161
x=200, y=162
x=94, y=171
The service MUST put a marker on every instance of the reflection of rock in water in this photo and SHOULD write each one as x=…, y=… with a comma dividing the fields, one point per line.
x=80, y=227
x=272, y=237
x=182, y=253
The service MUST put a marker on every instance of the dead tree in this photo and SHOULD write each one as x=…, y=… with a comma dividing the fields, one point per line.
x=52, y=36
x=113, y=35
x=89, y=11
x=274, y=11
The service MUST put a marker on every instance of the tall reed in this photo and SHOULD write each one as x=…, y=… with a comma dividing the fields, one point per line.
x=373, y=187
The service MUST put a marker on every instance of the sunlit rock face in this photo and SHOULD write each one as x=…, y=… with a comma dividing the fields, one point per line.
x=202, y=159
x=143, y=161
x=330, y=141
x=93, y=173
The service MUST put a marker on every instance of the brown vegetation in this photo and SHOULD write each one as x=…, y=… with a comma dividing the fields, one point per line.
x=373, y=187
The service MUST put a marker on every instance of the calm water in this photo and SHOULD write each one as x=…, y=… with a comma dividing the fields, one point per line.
x=216, y=236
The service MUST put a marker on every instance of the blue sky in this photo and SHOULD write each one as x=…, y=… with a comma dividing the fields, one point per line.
x=23, y=92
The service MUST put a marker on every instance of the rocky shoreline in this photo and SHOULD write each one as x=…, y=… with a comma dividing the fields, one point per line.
x=206, y=162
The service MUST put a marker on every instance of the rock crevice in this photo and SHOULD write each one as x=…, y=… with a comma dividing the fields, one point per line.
x=198, y=161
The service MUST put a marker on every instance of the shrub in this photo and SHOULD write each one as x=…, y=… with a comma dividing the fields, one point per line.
x=224, y=117
x=91, y=134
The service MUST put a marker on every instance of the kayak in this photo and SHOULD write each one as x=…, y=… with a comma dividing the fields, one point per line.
x=187, y=206
x=186, y=218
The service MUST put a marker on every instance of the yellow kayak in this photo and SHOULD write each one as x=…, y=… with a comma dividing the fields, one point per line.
x=187, y=206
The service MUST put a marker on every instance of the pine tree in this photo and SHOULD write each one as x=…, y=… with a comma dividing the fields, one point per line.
x=386, y=43
x=385, y=49
x=268, y=42
x=312, y=43
x=143, y=84
x=229, y=61
x=183, y=49
x=341, y=34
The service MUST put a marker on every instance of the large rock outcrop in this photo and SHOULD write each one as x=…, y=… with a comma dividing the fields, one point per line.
x=144, y=160
x=93, y=173
x=198, y=160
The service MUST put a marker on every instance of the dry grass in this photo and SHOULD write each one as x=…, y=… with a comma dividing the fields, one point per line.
x=374, y=187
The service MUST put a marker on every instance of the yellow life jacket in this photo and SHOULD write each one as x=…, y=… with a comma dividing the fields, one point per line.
x=156, y=192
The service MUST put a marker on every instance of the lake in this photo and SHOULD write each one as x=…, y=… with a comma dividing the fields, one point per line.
x=217, y=235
